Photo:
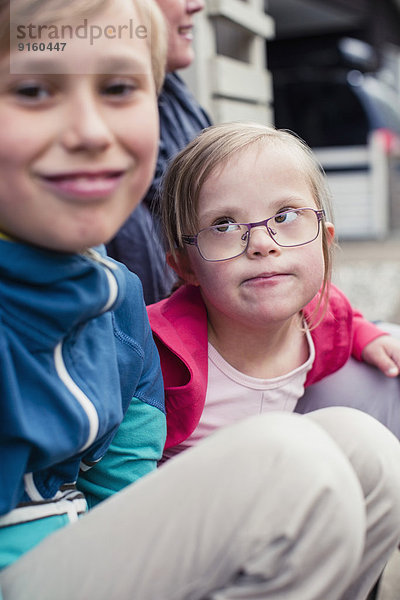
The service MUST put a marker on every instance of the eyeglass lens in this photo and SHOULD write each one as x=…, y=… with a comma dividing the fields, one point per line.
x=289, y=228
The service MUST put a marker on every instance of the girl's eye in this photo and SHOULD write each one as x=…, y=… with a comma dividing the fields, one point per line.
x=280, y=218
x=223, y=221
x=225, y=225
x=286, y=217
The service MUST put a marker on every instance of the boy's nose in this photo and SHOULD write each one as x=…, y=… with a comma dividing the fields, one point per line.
x=261, y=243
x=85, y=127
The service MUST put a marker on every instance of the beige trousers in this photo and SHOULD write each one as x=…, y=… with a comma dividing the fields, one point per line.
x=279, y=507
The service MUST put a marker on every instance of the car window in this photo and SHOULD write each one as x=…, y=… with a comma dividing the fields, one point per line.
x=322, y=113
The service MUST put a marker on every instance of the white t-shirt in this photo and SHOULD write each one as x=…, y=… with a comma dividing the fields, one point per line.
x=233, y=396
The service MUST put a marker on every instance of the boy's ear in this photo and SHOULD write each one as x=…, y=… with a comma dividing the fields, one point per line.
x=180, y=263
x=330, y=232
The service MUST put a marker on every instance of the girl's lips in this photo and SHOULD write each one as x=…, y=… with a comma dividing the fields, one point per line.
x=84, y=185
x=266, y=278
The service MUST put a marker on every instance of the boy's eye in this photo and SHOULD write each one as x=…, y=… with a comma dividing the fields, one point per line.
x=119, y=89
x=32, y=92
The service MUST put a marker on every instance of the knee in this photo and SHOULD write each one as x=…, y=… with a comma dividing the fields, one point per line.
x=300, y=486
x=292, y=454
x=374, y=454
x=371, y=448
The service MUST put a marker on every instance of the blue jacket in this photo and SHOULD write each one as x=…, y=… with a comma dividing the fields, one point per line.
x=76, y=355
x=139, y=243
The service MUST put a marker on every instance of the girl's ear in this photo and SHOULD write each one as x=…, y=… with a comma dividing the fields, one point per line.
x=330, y=232
x=180, y=263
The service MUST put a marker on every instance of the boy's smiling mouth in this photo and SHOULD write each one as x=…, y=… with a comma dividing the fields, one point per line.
x=84, y=184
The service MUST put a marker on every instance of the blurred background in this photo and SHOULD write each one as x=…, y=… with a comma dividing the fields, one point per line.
x=330, y=71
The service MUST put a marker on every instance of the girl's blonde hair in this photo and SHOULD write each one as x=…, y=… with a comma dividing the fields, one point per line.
x=53, y=11
x=212, y=149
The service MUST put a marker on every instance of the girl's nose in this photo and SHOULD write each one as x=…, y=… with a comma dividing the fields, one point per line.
x=85, y=127
x=261, y=243
x=194, y=6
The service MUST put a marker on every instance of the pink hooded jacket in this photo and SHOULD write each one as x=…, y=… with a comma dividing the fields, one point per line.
x=179, y=326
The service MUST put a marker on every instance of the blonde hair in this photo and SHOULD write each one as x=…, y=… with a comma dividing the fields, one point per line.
x=52, y=11
x=211, y=150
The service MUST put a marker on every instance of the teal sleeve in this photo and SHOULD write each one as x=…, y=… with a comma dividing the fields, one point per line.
x=134, y=452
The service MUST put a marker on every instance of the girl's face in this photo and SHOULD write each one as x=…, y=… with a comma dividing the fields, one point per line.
x=179, y=17
x=77, y=151
x=267, y=284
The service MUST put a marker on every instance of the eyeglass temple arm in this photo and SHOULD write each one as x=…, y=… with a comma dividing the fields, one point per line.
x=189, y=239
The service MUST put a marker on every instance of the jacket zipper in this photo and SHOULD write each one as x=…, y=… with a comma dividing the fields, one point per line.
x=86, y=404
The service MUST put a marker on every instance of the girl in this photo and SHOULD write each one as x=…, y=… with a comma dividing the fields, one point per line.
x=245, y=211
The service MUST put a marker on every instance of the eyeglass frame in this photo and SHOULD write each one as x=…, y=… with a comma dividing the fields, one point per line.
x=191, y=240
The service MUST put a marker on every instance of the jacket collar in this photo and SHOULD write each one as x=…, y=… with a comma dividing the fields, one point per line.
x=45, y=294
x=179, y=326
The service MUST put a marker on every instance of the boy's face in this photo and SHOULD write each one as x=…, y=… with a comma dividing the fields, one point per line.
x=77, y=151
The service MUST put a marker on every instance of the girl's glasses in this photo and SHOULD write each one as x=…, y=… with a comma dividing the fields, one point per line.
x=293, y=227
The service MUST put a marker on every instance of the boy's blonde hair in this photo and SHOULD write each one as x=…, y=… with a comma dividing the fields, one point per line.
x=211, y=150
x=53, y=11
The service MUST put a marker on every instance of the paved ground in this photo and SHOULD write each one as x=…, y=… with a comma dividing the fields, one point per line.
x=369, y=273
x=389, y=588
